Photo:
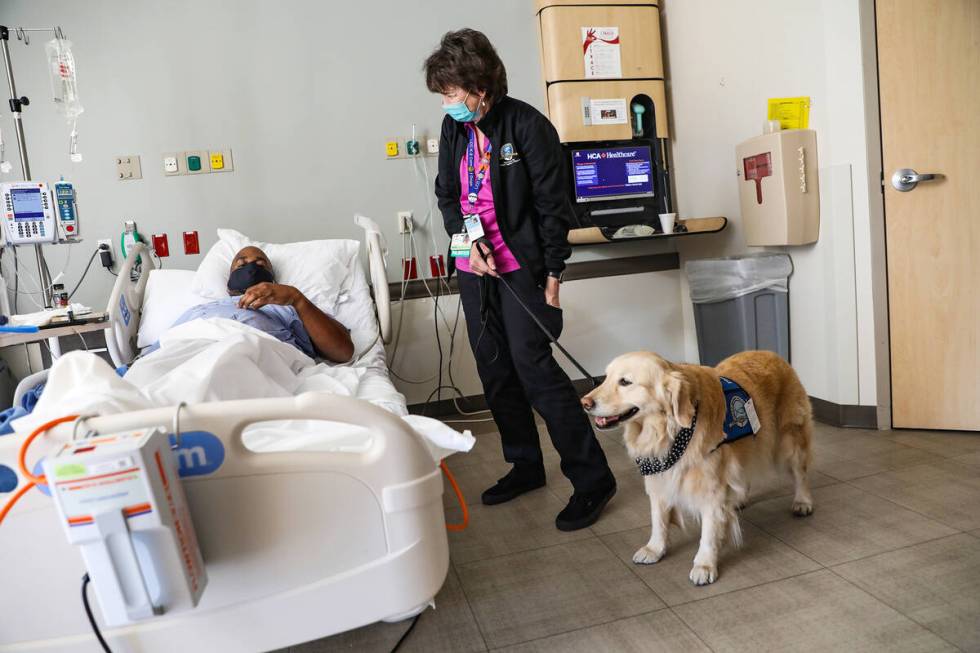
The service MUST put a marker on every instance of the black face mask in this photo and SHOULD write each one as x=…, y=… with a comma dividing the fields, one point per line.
x=247, y=276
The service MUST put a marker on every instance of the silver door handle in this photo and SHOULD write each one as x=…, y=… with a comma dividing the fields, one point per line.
x=905, y=179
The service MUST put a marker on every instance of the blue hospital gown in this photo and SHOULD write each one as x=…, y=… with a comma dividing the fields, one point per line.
x=280, y=322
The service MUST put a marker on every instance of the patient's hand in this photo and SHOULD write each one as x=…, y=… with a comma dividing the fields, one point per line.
x=265, y=293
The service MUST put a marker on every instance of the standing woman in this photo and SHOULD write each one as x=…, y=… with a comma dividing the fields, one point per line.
x=502, y=173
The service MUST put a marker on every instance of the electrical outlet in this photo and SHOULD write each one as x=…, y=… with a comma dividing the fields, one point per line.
x=128, y=167
x=405, y=222
x=432, y=146
x=107, y=242
x=171, y=164
x=192, y=245
x=160, y=245
x=221, y=161
x=410, y=268
x=195, y=162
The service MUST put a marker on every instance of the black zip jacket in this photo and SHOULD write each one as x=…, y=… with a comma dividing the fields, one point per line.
x=528, y=178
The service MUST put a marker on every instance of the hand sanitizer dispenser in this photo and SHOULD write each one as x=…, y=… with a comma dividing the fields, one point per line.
x=778, y=188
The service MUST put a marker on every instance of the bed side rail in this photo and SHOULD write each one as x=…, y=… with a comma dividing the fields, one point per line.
x=377, y=254
x=126, y=305
x=396, y=453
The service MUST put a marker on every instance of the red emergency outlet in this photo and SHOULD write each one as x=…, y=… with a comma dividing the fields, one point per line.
x=191, y=244
x=160, y=245
x=410, y=268
x=437, y=266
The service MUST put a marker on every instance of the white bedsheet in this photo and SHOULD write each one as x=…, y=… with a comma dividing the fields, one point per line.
x=220, y=360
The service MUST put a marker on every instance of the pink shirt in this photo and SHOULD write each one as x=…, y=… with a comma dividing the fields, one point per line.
x=502, y=256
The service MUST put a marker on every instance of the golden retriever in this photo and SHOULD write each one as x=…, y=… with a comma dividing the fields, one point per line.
x=655, y=400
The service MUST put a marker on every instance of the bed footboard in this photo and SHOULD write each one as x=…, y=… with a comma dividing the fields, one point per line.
x=126, y=305
x=298, y=545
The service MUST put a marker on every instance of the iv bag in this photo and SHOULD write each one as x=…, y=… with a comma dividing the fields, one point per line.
x=64, y=85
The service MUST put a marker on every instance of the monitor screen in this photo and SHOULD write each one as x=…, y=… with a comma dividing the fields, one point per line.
x=612, y=173
x=27, y=203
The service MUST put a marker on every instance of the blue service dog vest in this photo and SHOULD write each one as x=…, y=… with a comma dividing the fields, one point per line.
x=740, y=415
x=740, y=420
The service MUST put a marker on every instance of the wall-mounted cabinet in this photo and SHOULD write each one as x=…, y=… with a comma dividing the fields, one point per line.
x=603, y=69
x=566, y=42
x=575, y=108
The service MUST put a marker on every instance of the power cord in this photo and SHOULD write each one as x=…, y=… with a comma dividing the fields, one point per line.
x=411, y=248
x=408, y=632
x=84, y=273
x=91, y=617
x=16, y=279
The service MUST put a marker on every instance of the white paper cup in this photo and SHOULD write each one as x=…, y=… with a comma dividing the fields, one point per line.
x=667, y=222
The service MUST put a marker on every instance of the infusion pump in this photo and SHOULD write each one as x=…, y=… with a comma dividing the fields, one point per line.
x=29, y=213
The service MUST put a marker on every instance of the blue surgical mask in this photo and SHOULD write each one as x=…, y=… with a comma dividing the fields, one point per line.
x=459, y=112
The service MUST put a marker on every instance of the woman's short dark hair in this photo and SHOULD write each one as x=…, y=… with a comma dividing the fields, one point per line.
x=466, y=58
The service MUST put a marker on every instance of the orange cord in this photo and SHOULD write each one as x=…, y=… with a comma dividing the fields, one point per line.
x=22, y=457
x=459, y=497
x=32, y=480
x=10, y=504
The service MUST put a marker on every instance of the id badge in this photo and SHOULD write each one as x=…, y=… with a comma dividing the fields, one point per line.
x=474, y=227
x=459, y=246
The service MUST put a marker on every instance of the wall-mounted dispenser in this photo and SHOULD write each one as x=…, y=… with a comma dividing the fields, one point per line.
x=778, y=187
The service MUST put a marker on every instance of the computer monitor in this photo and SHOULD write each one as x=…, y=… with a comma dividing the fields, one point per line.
x=612, y=173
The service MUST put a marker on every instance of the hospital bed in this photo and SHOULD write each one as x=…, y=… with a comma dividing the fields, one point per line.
x=298, y=545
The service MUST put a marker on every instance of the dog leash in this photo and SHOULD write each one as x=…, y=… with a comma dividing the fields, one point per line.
x=540, y=325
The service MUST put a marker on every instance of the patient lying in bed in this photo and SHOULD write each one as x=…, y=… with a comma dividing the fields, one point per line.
x=276, y=309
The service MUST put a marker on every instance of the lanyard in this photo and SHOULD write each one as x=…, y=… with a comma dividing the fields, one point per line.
x=475, y=177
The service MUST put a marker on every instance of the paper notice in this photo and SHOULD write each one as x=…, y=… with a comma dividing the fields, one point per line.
x=600, y=46
x=791, y=112
x=608, y=112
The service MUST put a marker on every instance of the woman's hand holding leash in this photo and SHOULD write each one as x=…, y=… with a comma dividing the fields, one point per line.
x=481, y=259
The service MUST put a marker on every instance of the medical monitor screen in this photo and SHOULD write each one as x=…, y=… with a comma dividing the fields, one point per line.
x=27, y=203
x=612, y=173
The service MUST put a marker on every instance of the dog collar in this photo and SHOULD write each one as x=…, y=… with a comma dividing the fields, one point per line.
x=650, y=466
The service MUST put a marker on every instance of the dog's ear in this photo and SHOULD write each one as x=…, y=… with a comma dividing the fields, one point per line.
x=679, y=389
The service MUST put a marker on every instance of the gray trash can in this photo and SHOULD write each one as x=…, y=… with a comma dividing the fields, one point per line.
x=740, y=303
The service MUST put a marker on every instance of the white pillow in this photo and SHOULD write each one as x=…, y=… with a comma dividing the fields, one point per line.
x=165, y=299
x=320, y=269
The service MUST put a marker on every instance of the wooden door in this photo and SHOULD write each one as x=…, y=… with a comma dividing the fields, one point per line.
x=929, y=84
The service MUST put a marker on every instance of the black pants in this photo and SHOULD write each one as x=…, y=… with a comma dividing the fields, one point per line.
x=518, y=371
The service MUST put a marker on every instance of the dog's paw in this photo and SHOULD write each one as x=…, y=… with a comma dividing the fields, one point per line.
x=647, y=556
x=703, y=574
x=802, y=508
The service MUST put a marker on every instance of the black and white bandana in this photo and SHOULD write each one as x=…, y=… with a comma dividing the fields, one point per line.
x=650, y=466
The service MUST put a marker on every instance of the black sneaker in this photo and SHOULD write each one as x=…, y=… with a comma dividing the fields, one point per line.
x=584, y=509
x=518, y=481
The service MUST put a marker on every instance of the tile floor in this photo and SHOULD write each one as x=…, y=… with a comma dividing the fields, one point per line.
x=889, y=561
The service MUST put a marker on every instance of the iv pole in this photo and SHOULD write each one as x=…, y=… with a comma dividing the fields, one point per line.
x=25, y=167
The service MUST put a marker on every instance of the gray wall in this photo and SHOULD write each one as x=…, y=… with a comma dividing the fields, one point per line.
x=305, y=94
